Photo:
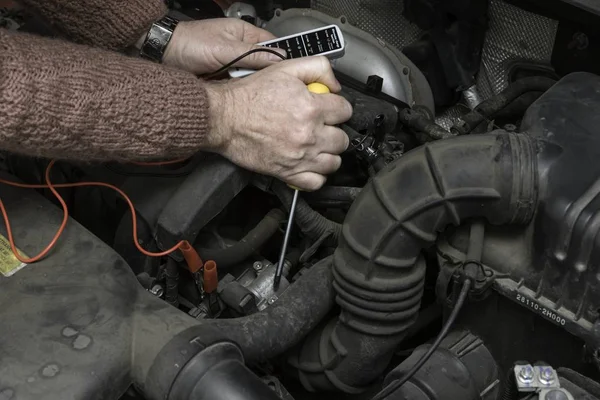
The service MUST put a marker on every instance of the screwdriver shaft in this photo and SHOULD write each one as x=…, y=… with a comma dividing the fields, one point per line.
x=286, y=239
x=316, y=88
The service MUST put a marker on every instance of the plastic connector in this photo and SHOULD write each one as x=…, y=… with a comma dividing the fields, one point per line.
x=211, y=278
x=192, y=258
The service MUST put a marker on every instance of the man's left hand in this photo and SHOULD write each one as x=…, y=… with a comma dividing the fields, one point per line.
x=203, y=47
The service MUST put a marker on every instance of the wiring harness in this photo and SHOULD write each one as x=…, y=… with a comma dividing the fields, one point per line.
x=191, y=256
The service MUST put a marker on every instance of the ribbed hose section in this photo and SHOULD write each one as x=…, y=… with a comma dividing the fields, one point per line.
x=378, y=269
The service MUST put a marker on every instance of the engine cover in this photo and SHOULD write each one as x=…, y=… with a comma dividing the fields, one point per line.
x=76, y=325
x=551, y=267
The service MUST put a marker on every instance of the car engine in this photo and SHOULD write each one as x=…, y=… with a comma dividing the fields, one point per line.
x=453, y=256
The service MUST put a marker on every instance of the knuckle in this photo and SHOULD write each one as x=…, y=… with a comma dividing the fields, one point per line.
x=296, y=156
x=305, y=137
x=325, y=64
x=311, y=110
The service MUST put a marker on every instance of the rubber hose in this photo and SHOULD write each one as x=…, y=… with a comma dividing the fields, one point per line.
x=279, y=327
x=420, y=122
x=379, y=271
x=311, y=223
x=251, y=243
x=333, y=196
x=509, y=385
x=509, y=389
x=172, y=282
x=260, y=336
x=489, y=108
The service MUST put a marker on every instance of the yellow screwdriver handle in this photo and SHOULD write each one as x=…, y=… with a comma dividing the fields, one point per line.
x=316, y=88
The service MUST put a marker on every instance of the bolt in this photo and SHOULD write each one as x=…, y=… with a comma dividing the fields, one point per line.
x=272, y=300
x=526, y=374
x=546, y=375
x=257, y=266
x=157, y=290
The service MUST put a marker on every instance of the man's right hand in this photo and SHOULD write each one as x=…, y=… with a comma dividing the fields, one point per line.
x=270, y=123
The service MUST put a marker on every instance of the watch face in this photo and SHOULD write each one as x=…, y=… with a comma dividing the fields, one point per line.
x=158, y=38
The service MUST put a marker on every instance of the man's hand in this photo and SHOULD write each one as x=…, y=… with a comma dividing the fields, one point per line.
x=203, y=47
x=270, y=123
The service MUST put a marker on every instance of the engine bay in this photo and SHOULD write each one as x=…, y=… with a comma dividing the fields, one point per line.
x=453, y=255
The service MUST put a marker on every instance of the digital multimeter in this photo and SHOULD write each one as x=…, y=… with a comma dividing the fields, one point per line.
x=327, y=41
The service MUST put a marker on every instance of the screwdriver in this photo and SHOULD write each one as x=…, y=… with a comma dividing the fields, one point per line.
x=317, y=88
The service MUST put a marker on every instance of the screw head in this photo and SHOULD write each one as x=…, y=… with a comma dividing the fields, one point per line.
x=526, y=374
x=272, y=300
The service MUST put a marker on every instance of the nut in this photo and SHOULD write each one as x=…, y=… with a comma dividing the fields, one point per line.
x=257, y=266
x=546, y=375
x=526, y=374
x=157, y=290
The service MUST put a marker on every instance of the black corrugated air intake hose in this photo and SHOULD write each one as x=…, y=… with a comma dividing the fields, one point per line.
x=378, y=268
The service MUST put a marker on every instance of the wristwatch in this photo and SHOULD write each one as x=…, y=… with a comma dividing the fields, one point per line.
x=158, y=38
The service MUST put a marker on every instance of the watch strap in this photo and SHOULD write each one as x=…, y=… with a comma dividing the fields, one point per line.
x=158, y=38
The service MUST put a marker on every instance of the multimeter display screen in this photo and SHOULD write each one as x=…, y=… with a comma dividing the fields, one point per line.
x=310, y=44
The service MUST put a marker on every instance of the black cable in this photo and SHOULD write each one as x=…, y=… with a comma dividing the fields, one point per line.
x=395, y=385
x=246, y=54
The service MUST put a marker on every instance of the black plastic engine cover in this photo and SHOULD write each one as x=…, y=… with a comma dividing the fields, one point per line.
x=203, y=195
x=552, y=267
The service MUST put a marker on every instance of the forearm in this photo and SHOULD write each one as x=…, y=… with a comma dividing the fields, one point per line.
x=60, y=100
x=111, y=24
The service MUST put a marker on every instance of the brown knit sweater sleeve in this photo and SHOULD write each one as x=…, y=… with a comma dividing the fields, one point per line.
x=62, y=100
x=111, y=24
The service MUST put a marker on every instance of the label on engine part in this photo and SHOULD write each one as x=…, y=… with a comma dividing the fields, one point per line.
x=545, y=312
x=9, y=265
